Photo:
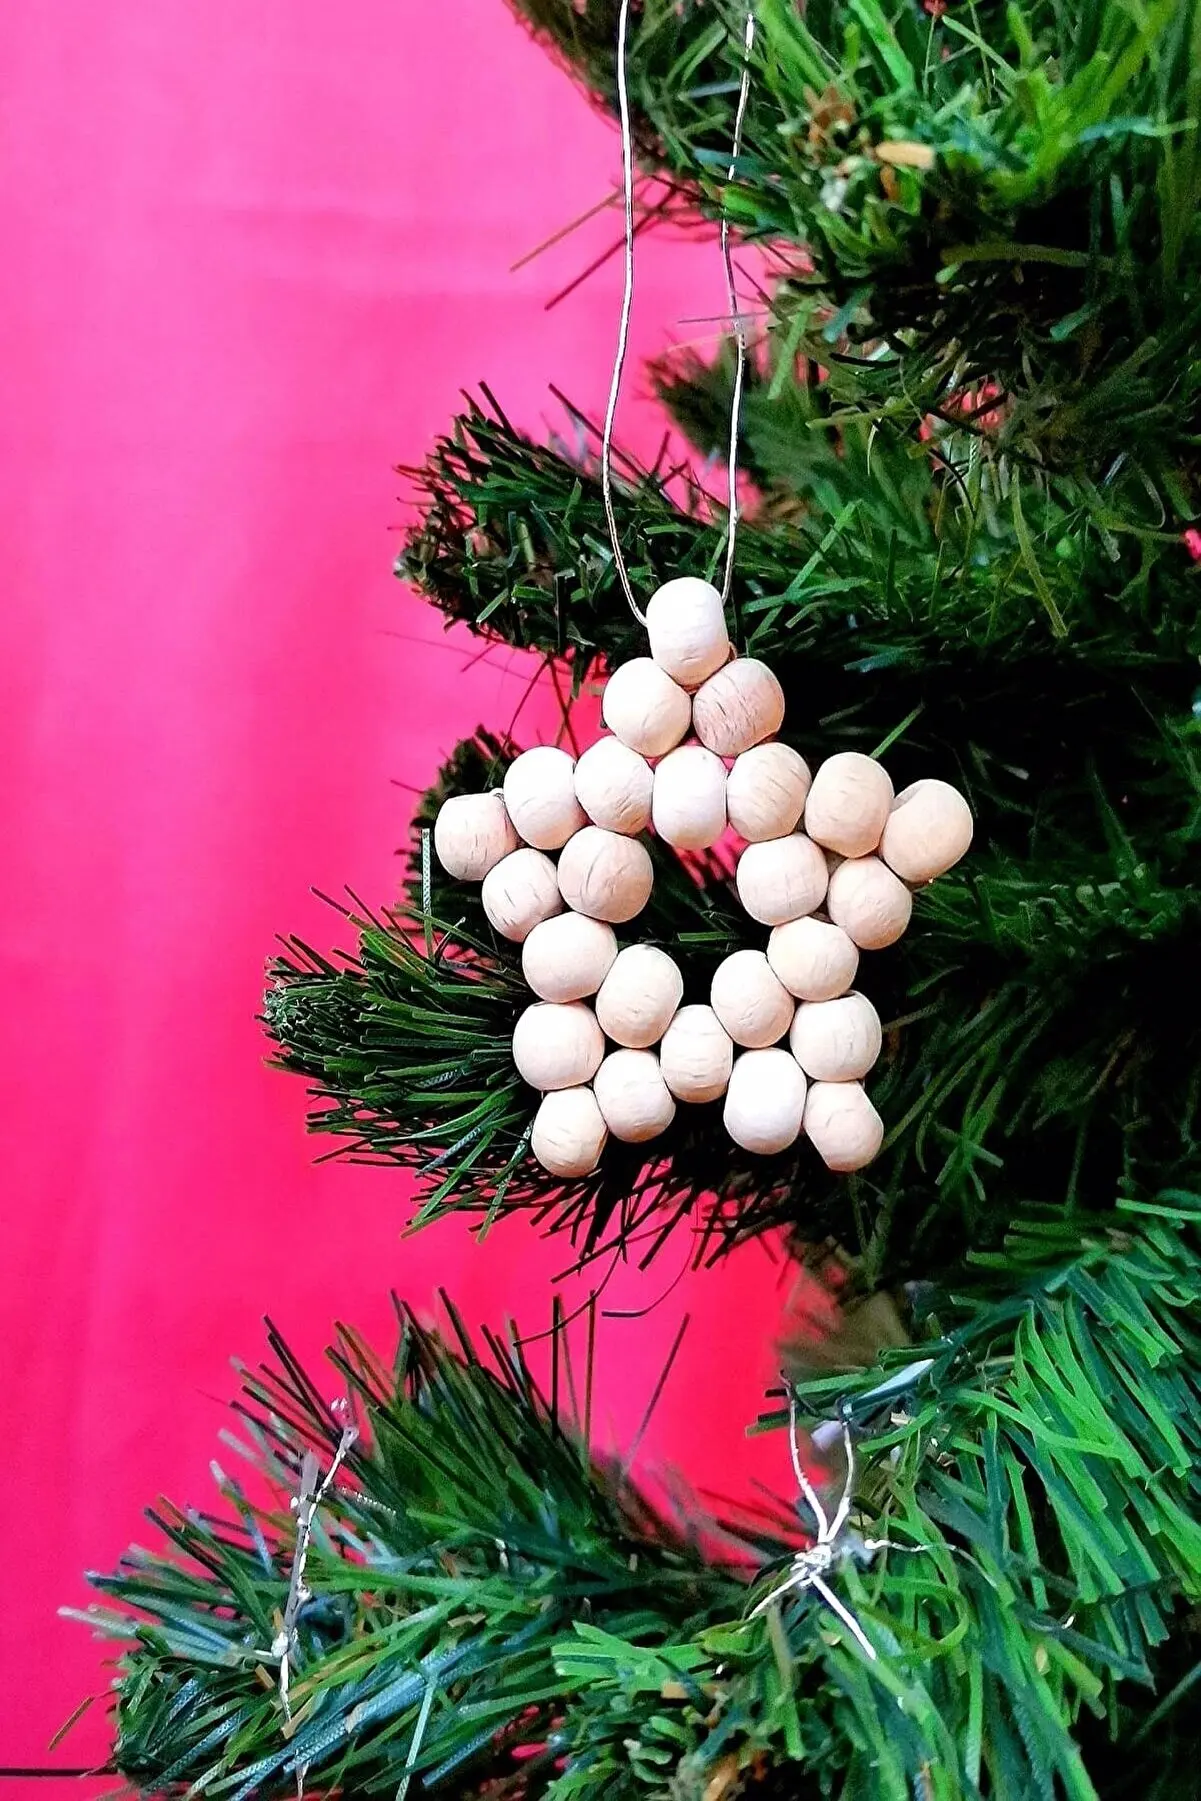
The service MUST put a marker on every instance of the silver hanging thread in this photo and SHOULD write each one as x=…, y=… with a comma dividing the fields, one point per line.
x=623, y=333
x=810, y=1567
x=305, y=1504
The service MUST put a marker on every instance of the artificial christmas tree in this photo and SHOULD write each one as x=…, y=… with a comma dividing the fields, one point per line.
x=971, y=430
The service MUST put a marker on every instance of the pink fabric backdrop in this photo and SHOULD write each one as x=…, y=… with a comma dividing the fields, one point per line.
x=251, y=255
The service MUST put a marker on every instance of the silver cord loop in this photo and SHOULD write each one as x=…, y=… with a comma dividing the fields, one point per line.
x=623, y=330
x=623, y=333
x=736, y=318
x=810, y=1567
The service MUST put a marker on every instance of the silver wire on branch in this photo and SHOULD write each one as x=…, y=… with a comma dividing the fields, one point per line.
x=623, y=332
x=810, y=1567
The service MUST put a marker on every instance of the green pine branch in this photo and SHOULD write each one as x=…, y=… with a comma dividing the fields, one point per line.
x=986, y=195
x=493, y=1604
x=1046, y=666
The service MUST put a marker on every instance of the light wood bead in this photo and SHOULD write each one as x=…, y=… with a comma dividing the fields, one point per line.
x=738, y=707
x=696, y=1055
x=842, y=1125
x=520, y=892
x=557, y=1046
x=634, y=1100
x=927, y=831
x=752, y=1004
x=643, y=707
x=472, y=833
x=836, y=1041
x=568, y=957
x=781, y=879
x=766, y=790
x=815, y=960
x=639, y=996
x=569, y=1132
x=869, y=902
x=848, y=803
x=605, y=875
x=688, y=806
x=686, y=624
x=540, y=797
x=765, y=1102
x=613, y=785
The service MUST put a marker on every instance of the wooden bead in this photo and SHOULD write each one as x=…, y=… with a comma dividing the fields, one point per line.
x=557, y=1046
x=540, y=797
x=643, y=707
x=519, y=892
x=848, y=804
x=568, y=957
x=766, y=790
x=836, y=1041
x=696, y=1055
x=927, y=831
x=815, y=960
x=613, y=785
x=605, y=875
x=752, y=1004
x=569, y=1132
x=686, y=624
x=738, y=707
x=869, y=902
x=781, y=879
x=639, y=996
x=765, y=1102
x=688, y=807
x=634, y=1100
x=472, y=833
x=842, y=1125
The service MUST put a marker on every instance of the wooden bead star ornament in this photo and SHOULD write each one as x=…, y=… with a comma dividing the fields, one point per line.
x=780, y=1037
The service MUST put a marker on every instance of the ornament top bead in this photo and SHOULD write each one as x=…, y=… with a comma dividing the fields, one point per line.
x=686, y=624
x=472, y=833
x=540, y=796
x=605, y=875
x=848, y=803
x=643, y=707
x=738, y=707
x=613, y=785
x=766, y=790
x=520, y=892
x=927, y=831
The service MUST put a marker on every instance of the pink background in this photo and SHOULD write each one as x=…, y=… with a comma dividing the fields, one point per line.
x=252, y=253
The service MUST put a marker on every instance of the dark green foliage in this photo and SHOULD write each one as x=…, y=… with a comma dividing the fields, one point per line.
x=1046, y=244
x=484, y=1586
